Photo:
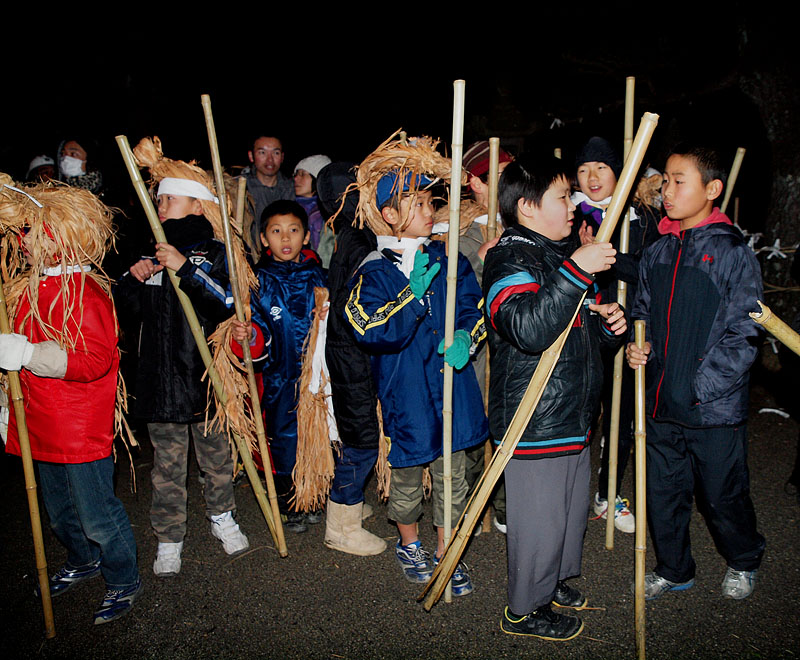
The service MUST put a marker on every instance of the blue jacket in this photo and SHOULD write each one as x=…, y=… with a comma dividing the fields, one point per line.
x=696, y=289
x=282, y=309
x=403, y=335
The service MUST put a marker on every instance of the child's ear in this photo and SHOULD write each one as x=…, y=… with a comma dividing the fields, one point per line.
x=476, y=185
x=525, y=207
x=713, y=189
x=307, y=238
x=197, y=207
x=390, y=215
x=264, y=239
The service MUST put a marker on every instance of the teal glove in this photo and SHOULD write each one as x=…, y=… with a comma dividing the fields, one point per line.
x=422, y=276
x=457, y=355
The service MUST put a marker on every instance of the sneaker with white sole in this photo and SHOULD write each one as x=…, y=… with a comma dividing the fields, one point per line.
x=624, y=520
x=117, y=603
x=168, y=559
x=738, y=584
x=656, y=586
x=460, y=582
x=65, y=578
x=224, y=528
x=415, y=560
x=500, y=527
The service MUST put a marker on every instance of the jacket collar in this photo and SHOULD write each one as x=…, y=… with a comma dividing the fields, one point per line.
x=667, y=226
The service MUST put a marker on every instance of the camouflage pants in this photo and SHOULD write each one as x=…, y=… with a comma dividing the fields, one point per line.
x=170, y=463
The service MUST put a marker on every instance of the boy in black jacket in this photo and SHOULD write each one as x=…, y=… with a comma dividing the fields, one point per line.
x=697, y=285
x=533, y=281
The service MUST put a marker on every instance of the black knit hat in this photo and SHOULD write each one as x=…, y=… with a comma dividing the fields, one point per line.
x=599, y=150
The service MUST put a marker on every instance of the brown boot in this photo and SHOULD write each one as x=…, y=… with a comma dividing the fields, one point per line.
x=343, y=531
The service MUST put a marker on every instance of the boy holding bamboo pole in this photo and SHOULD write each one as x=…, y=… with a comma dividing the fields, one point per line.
x=65, y=347
x=697, y=285
x=533, y=280
x=170, y=393
x=397, y=311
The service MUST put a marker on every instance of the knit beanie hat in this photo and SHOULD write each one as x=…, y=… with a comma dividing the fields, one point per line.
x=599, y=150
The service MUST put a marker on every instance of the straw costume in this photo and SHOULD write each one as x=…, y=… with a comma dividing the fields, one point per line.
x=397, y=310
x=170, y=393
x=65, y=348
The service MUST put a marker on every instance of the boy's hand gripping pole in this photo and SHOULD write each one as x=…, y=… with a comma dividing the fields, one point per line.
x=241, y=315
x=15, y=390
x=199, y=338
x=444, y=571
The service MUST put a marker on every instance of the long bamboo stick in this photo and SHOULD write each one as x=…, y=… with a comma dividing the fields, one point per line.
x=641, y=500
x=15, y=390
x=776, y=327
x=241, y=316
x=491, y=233
x=441, y=575
x=457, y=151
x=622, y=295
x=199, y=337
x=734, y=174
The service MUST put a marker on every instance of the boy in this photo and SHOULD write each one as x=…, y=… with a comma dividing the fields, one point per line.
x=533, y=281
x=281, y=315
x=697, y=285
x=170, y=393
x=397, y=311
x=67, y=356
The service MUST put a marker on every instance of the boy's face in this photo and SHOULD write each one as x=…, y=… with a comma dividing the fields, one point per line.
x=175, y=207
x=284, y=236
x=686, y=197
x=416, y=211
x=596, y=180
x=553, y=218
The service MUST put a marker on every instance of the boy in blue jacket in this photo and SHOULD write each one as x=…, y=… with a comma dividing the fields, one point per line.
x=697, y=285
x=281, y=316
x=397, y=311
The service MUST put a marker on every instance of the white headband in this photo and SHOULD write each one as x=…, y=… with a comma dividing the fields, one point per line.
x=185, y=187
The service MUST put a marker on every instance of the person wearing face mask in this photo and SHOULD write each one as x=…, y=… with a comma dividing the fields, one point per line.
x=73, y=165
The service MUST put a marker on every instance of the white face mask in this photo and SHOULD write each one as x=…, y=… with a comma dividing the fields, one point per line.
x=72, y=166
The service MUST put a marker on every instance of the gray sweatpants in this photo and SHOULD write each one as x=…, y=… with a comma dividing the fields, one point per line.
x=547, y=503
x=170, y=464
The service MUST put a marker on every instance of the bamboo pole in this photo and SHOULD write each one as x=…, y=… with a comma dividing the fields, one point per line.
x=734, y=174
x=457, y=151
x=491, y=233
x=776, y=327
x=441, y=575
x=641, y=500
x=622, y=295
x=241, y=316
x=15, y=390
x=199, y=337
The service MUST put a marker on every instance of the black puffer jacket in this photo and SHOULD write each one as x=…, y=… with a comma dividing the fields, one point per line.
x=532, y=289
x=169, y=385
x=696, y=289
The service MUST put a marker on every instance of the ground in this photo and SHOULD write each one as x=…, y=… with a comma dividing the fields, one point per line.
x=318, y=603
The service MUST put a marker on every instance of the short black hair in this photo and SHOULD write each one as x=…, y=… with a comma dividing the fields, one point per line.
x=258, y=136
x=527, y=178
x=705, y=158
x=284, y=207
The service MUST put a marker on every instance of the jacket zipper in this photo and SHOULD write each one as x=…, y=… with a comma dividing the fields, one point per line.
x=669, y=319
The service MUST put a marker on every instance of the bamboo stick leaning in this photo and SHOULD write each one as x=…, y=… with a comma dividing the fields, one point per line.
x=242, y=316
x=197, y=333
x=15, y=390
x=457, y=151
x=441, y=575
x=622, y=295
x=776, y=327
x=734, y=174
x=491, y=234
x=641, y=499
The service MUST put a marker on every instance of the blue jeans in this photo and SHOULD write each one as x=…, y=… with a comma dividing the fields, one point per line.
x=351, y=473
x=89, y=520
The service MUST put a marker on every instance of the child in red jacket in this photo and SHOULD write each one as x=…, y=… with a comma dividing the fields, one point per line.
x=65, y=347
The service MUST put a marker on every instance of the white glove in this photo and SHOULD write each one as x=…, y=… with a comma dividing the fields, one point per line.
x=15, y=351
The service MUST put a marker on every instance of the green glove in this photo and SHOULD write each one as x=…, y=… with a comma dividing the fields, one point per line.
x=422, y=276
x=457, y=355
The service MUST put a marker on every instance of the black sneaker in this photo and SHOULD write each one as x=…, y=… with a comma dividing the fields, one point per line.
x=566, y=596
x=66, y=577
x=543, y=623
x=117, y=603
x=294, y=522
x=313, y=517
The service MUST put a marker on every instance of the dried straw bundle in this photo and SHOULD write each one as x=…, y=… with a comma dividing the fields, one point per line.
x=314, y=466
x=383, y=471
x=417, y=156
x=470, y=209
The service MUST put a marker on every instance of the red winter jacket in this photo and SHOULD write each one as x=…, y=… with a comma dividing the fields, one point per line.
x=71, y=420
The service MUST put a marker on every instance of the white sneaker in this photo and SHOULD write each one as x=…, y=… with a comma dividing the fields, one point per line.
x=500, y=527
x=168, y=559
x=738, y=584
x=624, y=520
x=224, y=527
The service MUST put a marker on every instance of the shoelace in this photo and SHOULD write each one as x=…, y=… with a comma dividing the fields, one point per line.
x=622, y=507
